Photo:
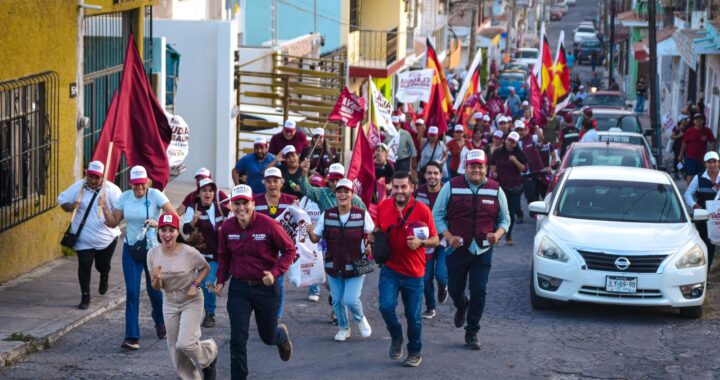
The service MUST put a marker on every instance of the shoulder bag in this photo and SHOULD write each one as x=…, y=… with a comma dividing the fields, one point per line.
x=381, y=246
x=70, y=239
x=139, y=250
x=363, y=265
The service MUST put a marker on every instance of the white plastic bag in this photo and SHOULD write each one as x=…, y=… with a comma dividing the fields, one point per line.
x=713, y=224
x=309, y=266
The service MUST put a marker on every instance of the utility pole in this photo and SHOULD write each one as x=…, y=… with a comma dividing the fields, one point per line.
x=274, y=24
x=473, y=37
x=611, y=76
x=654, y=93
x=315, y=16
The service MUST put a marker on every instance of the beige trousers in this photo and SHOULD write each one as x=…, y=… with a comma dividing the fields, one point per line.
x=182, y=321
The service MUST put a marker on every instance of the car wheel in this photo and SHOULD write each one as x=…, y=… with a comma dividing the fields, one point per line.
x=692, y=312
x=537, y=302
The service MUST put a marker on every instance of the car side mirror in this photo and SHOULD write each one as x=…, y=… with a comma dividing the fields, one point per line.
x=699, y=214
x=537, y=208
x=649, y=132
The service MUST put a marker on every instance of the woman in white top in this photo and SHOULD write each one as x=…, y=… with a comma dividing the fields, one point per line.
x=139, y=207
x=178, y=270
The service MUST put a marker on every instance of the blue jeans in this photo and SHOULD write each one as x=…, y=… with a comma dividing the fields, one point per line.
x=132, y=271
x=346, y=296
x=411, y=290
x=640, y=105
x=281, y=285
x=209, y=294
x=435, y=269
x=471, y=272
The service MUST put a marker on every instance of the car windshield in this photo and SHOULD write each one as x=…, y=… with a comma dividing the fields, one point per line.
x=620, y=201
x=625, y=139
x=628, y=124
x=590, y=44
x=585, y=29
x=605, y=156
x=605, y=101
x=526, y=54
x=511, y=77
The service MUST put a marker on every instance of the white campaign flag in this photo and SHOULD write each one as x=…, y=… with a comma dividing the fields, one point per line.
x=309, y=266
x=415, y=86
x=380, y=110
x=179, y=147
x=477, y=61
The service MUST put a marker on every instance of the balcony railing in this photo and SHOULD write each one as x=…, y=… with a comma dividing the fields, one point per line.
x=373, y=48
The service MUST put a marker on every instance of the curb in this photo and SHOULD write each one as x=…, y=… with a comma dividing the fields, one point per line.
x=17, y=350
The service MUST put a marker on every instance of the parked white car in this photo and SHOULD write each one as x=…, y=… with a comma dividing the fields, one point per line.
x=618, y=235
x=570, y=2
x=584, y=32
x=527, y=56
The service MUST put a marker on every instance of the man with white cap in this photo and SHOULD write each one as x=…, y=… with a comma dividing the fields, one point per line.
x=252, y=166
x=456, y=147
x=254, y=250
x=433, y=149
x=288, y=162
x=325, y=196
x=703, y=188
x=514, y=103
x=95, y=241
x=322, y=156
x=507, y=165
x=471, y=213
x=581, y=96
x=288, y=136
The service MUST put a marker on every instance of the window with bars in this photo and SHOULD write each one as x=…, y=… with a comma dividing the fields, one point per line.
x=28, y=147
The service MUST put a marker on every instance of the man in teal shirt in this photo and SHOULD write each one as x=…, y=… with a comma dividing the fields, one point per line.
x=325, y=196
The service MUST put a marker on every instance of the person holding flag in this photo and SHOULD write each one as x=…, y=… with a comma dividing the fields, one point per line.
x=320, y=154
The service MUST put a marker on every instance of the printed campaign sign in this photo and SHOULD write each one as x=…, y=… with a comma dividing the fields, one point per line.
x=415, y=86
x=179, y=147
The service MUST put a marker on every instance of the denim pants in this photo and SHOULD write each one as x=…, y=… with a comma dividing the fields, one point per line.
x=640, y=104
x=281, y=284
x=209, y=294
x=435, y=269
x=514, y=205
x=243, y=300
x=411, y=290
x=345, y=293
x=132, y=271
x=469, y=271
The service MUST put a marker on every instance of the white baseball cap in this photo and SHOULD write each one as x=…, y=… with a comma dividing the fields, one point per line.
x=458, y=128
x=346, y=183
x=318, y=132
x=206, y=181
x=499, y=134
x=511, y=88
x=519, y=124
x=336, y=171
x=476, y=156
x=241, y=192
x=525, y=103
x=711, y=156
x=96, y=168
x=477, y=115
x=433, y=131
x=486, y=118
x=513, y=136
x=502, y=119
x=401, y=117
x=260, y=141
x=138, y=175
x=420, y=121
x=394, y=119
x=272, y=172
x=289, y=124
x=203, y=173
x=288, y=149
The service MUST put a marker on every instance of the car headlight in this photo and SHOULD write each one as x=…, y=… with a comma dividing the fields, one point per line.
x=692, y=258
x=549, y=250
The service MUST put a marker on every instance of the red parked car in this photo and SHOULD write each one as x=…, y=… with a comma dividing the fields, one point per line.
x=602, y=154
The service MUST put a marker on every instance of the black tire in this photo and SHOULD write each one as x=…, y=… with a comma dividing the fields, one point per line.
x=537, y=302
x=692, y=312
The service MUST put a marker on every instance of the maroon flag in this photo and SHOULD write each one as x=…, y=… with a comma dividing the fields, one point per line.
x=349, y=109
x=136, y=125
x=434, y=113
x=362, y=168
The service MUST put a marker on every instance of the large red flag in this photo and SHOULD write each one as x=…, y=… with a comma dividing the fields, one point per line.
x=546, y=71
x=136, y=125
x=440, y=93
x=349, y=109
x=535, y=97
x=362, y=168
x=434, y=114
x=561, y=76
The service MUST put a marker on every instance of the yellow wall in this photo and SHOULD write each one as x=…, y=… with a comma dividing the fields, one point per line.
x=381, y=14
x=42, y=36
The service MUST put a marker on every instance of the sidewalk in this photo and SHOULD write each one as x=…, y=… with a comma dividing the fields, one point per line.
x=41, y=306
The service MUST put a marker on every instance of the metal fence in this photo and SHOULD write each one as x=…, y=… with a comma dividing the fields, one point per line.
x=105, y=41
x=29, y=123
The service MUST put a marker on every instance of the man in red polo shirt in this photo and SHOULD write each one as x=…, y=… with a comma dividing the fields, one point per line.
x=404, y=271
x=697, y=141
x=254, y=251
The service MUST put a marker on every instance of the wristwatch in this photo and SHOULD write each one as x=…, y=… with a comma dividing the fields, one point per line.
x=423, y=243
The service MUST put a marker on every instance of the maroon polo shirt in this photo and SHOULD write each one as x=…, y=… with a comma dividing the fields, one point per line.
x=246, y=253
x=278, y=142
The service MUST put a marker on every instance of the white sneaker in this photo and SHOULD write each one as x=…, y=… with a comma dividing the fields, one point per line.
x=342, y=335
x=313, y=298
x=365, y=329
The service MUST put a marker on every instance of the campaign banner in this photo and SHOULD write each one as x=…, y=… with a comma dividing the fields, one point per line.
x=381, y=110
x=349, y=109
x=179, y=147
x=308, y=267
x=415, y=86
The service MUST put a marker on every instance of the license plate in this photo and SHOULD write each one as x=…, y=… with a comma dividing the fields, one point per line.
x=621, y=284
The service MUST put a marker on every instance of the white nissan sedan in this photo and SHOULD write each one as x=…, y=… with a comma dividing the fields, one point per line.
x=618, y=235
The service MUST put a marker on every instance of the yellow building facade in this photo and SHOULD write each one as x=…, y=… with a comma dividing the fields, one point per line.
x=40, y=80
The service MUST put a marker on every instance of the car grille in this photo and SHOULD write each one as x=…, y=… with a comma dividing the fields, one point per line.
x=606, y=262
x=601, y=292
